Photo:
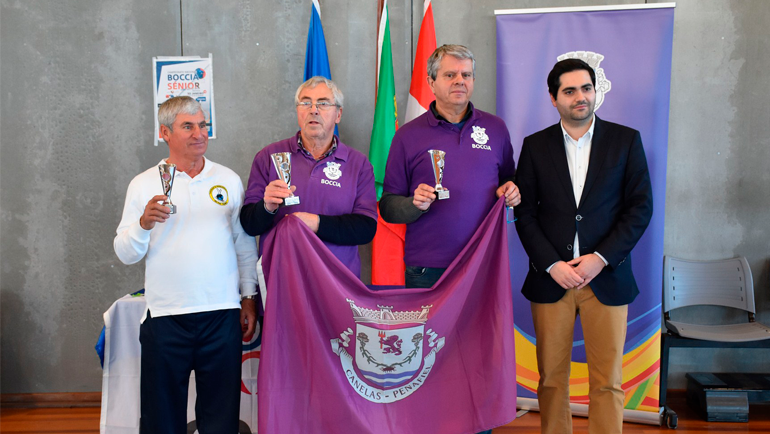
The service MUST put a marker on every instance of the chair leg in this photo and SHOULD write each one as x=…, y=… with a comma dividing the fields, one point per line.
x=664, y=351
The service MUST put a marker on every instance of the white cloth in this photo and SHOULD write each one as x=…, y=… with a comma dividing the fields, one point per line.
x=197, y=260
x=122, y=371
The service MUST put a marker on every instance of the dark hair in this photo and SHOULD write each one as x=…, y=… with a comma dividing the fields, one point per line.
x=563, y=67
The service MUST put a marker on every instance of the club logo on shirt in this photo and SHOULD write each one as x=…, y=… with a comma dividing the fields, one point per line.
x=388, y=361
x=332, y=170
x=480, y=136
x=218, y=194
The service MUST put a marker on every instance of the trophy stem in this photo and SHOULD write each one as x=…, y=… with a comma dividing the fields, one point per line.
x=167, y=172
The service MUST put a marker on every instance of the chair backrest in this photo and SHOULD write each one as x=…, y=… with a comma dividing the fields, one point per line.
x=725, y=282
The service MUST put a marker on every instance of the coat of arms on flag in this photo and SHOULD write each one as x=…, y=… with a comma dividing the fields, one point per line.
x=388, y=352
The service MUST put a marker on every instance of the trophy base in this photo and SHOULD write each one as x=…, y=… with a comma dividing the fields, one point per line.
x=170, y=206
x=291, y=200
x=442, y=194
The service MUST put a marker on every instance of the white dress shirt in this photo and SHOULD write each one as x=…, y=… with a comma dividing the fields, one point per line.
x=578, y=154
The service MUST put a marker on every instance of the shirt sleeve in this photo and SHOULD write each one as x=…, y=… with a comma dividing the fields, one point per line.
x=397, y=173
x=258, y=178
x=366, y=197
x=254, y=217
x=347, y=229
x=132, y=241
x=398, y=209
x=245, y=247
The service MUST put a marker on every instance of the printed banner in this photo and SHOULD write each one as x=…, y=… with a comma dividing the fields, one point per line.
x=630, y=50
x=338, y=357
x=190, y=76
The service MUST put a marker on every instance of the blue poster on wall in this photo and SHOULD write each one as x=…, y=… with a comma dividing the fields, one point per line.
x=184, y=76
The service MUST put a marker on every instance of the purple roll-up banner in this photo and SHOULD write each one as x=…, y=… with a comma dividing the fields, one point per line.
x=629, y=47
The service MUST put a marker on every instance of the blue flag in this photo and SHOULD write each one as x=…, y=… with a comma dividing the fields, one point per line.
x=316, y=59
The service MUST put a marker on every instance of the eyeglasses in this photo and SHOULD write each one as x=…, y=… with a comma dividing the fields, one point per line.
x=320, y=105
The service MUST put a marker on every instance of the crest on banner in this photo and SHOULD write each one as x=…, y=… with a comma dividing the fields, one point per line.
x=388, y=361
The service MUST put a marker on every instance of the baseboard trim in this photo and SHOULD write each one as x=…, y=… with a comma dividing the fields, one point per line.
x=42, y=400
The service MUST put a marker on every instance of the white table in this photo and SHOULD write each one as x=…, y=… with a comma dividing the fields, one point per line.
x=122, y=363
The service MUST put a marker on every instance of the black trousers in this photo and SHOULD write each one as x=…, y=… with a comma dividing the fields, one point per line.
x=208, y=343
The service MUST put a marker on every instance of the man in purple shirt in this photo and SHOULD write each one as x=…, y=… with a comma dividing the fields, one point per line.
x=335, y=183
x=478, y=169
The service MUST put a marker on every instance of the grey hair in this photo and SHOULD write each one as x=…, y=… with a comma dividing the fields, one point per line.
x=312, y=82
x=168, y=111
x=456, y=51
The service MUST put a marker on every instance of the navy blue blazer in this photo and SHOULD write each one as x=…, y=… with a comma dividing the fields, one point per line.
x=614, y=210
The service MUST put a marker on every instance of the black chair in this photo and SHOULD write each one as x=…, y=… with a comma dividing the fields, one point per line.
x=725, y=283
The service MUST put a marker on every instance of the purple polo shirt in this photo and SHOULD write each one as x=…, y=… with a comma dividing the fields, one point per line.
x=341, y=183
x=477, y=158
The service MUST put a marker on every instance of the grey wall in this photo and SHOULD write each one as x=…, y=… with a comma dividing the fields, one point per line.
x=76, y=125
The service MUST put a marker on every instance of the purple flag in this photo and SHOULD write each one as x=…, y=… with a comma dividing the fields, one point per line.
x=339, y=357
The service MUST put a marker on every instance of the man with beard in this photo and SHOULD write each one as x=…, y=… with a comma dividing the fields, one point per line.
x=586, y=201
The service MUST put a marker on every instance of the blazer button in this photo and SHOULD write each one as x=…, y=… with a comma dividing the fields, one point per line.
x=569, y=246
x=578, y=217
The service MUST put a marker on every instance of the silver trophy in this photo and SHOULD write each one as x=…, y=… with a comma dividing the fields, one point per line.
x=437, y=161
x=282, y=163
x=167, y=172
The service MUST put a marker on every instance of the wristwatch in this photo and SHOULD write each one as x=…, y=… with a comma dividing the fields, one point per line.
x=249, y=297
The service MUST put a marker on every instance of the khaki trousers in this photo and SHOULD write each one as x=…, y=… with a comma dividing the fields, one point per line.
x=604, y=331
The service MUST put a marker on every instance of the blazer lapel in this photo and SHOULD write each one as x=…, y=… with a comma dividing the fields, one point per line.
x=559, y=158
x=599, y=148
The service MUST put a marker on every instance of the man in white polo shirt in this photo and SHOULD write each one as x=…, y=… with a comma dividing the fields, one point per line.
x=200, y=279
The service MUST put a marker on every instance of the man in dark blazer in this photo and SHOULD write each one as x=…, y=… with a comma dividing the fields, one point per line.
x=586, y=201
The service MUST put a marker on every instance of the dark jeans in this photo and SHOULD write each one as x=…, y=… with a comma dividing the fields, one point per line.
x=422, y=277
x=208, y=343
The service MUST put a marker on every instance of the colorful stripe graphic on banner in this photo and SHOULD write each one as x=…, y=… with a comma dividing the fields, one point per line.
x=630, y=50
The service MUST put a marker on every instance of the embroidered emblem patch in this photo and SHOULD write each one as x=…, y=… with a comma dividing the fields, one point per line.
x=332, y=170
x=218, y=194
x=479, y=135
x=387, y=363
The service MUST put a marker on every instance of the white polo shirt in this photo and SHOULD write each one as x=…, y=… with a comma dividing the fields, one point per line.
x=199, y=258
